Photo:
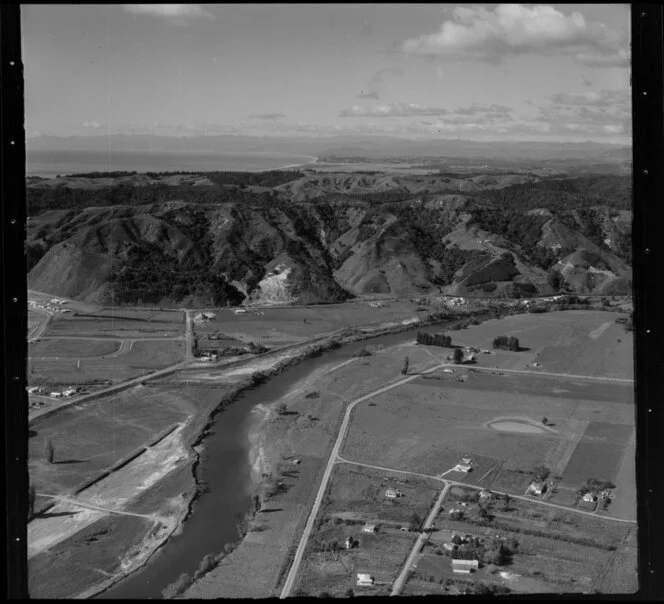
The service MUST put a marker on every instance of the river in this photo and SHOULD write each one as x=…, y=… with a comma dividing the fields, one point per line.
x=226, y=470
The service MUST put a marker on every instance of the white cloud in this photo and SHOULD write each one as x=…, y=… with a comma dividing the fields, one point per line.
x=492, y=34
x=392, y=110
x=397, y=110
x=178, y=13
x=266, y=116
x=377, y=83
x=92, y=125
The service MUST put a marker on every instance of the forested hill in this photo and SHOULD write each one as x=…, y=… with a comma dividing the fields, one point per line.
x=227, y=238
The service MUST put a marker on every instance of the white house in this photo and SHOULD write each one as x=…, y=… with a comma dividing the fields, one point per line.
x=69, y=392
x=364, y=579
x=33, y=389
x=55, y=394
x=465, y=567
x=238, y=311
x=391, y=494
x=537, y=488
x=590, y=497
x=465, y=465
x=369, y=528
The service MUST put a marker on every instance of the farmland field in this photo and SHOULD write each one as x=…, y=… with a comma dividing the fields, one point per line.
x=118, y=326
x=280, y=326
x=90, y=437
x=141, y=356
x=79, y=349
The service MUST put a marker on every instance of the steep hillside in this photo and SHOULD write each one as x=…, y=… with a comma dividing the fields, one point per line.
x=289, y=237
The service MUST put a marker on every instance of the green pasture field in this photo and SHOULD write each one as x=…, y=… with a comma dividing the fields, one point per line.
x=91, y=437
x=106, y=325
x=382, y=555
x=281, y=326
x=78, y=349
x=362, y=491
x=75, y=564
x=142, y=314
x=143, y=357
x=577, y=342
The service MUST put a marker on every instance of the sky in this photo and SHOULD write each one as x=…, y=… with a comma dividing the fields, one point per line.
x=556, y=72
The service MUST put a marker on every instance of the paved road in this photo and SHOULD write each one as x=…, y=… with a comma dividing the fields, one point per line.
x=188, y=335
x=297, y=560
x=474, y=367
x=470, y=486
x=398, y=584
x=113, y=337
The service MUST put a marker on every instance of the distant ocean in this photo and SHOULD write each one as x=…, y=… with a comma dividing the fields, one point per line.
x=52, y=163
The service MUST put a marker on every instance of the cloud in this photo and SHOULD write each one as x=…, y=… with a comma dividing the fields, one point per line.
x=602, y=112
x=492, y=34
x=392, y=110
x=376, y=86
x=178, y=13
x=266, y=116
x=92, y=125
x=413, y=110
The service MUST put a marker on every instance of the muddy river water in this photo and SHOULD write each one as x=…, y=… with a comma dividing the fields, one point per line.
x=225, y=469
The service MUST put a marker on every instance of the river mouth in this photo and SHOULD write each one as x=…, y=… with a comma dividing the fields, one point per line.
x=516, y=425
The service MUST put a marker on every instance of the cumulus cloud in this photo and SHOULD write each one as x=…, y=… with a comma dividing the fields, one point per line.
x=492, y=34
x=601, y=112
x=376, y=86
x=179, y=13
x=91, y=125
x=391, y=110
x=266, y=116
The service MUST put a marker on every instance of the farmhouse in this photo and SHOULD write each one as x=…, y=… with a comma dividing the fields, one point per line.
x=465, y=465
x=369, y=528
x=485, y=495
x=351, y=543
x=465, y=567
x=34, y=389
x=364, y=579
x=69, y=392
x=55, y=394
x=238, y=311
x=393, y=493
x=537, y=487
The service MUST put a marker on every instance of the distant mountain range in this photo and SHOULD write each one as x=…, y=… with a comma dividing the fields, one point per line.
x=342, y=146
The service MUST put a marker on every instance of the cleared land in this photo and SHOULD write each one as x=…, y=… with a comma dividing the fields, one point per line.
x=118, y=324
x=280, y=326
x=78, y=349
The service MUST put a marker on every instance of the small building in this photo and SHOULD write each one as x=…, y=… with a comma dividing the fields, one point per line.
x=239, y=311
x=465, y=465
x=33, y=389
x=449, y=547
x=351, y=543
x=369, y=528
x=589, y=497
x=69, y=392
x=484, y=494
x=465, y=567
x=393, y=493
x=537, y=487
x=364, y=580
x=56, y=395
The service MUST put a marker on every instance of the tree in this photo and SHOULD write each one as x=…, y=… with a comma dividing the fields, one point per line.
x=32, y=498
x=404, y=368
x=282, y=409
x=257, y=503
x=49, y=452
x=415, y=522
x=541, y=472
x=457, y=356
x=554, y=279
x=349, y=593
x=545, y=420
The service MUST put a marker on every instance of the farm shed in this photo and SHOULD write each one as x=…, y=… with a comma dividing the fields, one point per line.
x=465, y=567
x=369, y=528
x=364, y=579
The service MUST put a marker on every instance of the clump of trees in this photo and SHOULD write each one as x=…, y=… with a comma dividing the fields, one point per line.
x=282, y=409
x=431, y=339
x=457, y=356
x=506, y=343
x=363, y=352
x=404, y=367
x=49, y=451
